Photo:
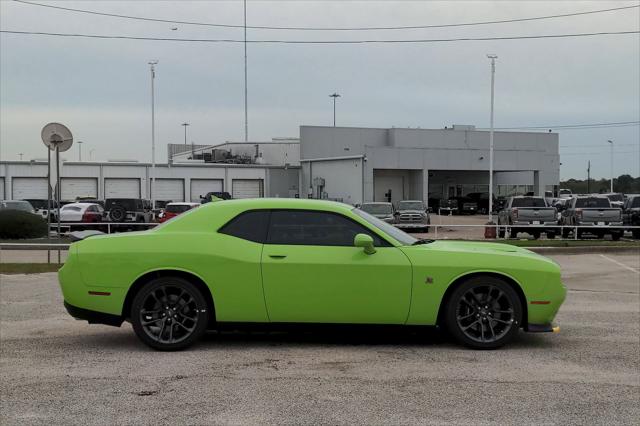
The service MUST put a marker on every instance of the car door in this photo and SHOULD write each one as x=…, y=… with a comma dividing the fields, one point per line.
x=312, y=272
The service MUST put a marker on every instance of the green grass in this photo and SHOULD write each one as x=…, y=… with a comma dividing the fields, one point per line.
x=571, y=243
x=28, y=268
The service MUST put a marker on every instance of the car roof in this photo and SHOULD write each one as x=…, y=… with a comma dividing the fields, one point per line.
x=81, y=204
x=182, y=203
x=284, y=203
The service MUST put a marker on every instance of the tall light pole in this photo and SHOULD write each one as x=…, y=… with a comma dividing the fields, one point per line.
x=611, y=142
x=246, y=104
x=493, y=78
x=80, y=150
x=185, y=131
x=152, y=66
x=334, y=96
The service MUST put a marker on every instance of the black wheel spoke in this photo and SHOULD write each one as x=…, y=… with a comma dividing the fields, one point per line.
x=490, y=311
x=169, y=313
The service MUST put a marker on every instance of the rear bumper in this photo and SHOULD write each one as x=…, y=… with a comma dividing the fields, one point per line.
x=93, y=317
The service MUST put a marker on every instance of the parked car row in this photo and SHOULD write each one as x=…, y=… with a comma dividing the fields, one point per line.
x=595, y=215
x=409, y=214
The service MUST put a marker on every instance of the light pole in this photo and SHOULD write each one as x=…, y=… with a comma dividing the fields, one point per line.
x=611, y=142
x=152, y=65
x=185, y=131
x=80, y=150
x=334, y=96
x=493, y=78
x=246, y=90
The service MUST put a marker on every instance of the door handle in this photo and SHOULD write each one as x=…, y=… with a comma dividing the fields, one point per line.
x=277, y=256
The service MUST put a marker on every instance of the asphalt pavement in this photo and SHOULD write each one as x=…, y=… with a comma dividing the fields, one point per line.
x=55, y=370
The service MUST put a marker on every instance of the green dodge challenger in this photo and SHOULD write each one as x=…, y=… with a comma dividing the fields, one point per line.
x=280, y=261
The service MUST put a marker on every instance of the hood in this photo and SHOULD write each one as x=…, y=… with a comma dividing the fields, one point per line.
x=381, y=215
x=411, y=211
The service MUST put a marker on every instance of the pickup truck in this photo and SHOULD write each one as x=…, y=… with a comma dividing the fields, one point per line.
x=631, y=214
x=412, y=214
x=527, y=214
x=595, y=213
x=383, y=211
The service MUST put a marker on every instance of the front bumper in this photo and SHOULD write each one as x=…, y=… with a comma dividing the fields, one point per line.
x=93, y=317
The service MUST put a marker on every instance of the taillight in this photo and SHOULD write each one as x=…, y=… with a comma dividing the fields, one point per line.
x=515, y=213
x=86, y=217
x=579, y=213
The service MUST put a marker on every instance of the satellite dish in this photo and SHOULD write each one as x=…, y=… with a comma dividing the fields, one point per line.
x=56, y=135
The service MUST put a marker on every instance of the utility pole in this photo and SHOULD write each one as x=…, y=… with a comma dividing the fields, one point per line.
x=152, y=65
x=611, y=142
x=493, y=77
x=80, y=150
x=185, y=131
x=246, y=105
x=334, y=96
x=589, y=177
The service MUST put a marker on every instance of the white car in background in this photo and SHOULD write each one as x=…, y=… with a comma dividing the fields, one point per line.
x=81, y=213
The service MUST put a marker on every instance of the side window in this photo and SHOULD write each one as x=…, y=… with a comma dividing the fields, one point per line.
x=316, y=228
x=251, y=226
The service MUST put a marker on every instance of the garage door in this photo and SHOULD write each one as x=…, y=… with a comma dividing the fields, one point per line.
x=247, y=188
x=122, y=188
x=29, y=188
x=79, y=187
x=1, y=188
x=202, y=186
x=169, y=189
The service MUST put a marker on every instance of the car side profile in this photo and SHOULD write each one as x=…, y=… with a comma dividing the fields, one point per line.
x=282, y=261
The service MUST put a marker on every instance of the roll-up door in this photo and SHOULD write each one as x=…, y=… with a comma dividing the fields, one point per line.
x=247, y=188
x=169, y=189
x=122, y=188
x=203, y=186
x=73, y=188
x=24, y=188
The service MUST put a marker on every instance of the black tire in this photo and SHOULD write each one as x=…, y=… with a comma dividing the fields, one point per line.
x=501, y=231
x=615, y=236
x=181, y=299
x=551, y=235
x=513, y=233
x=636, y=233
x=468, y=318
x=117, y=213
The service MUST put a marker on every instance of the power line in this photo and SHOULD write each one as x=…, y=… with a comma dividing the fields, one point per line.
x=209, y=40
x=597, y=146
x=599, y=153
x=574, y=126
x=259, y=27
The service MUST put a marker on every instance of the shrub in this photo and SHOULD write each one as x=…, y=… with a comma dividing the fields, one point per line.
x=17, y=224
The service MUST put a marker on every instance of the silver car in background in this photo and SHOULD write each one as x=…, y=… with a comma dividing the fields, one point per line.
x=383, y=211
x=412, y=214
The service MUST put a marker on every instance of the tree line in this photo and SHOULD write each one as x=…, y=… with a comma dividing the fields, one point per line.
x=626, y=184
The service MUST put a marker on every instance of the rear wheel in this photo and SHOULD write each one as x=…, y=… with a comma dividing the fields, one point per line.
x=636, y=233
x=615, y=236
x=551, y=235
x=483, y=313
x=169, y=313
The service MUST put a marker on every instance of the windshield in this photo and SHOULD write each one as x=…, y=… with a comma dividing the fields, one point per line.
x=636, y=202
x=177, y=208
x=396, y=233
x=377, y=208
x=615, y=197
x=410, y=205
x=528, y=202
x=565, y=192
x=16, y=205
x=600, y=202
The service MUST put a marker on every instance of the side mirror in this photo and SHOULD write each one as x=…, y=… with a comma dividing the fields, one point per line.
x=365, y=241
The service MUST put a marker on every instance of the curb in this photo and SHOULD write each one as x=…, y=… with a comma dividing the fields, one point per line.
x=584, y=250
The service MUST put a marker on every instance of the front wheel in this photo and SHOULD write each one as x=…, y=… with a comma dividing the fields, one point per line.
x=169, y=313
x=483, y=313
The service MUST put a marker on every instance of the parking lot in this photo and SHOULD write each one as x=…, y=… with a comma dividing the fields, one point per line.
x=56, y=370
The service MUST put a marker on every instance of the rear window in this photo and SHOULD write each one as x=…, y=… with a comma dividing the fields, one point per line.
x=599, y=202
x=615, y=197
x=528, y=202
x=71, y=208
x=177, y=208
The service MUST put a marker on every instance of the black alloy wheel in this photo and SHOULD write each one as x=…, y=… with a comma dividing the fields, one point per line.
x=169, y=313
x=484, y=313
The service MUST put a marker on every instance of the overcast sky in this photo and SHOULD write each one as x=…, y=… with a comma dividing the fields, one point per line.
x=100, y=88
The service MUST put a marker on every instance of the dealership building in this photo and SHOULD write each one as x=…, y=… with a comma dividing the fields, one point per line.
x=348, y=164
